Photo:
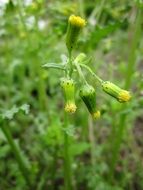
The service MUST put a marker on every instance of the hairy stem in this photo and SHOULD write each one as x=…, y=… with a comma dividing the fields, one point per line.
x=67, y=159
x=70, y=64
x=80, y=73
x=93, y=74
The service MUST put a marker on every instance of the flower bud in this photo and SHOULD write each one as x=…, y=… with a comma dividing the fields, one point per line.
x=87, y=93
x=75, y=24
x=80, y=58
x=115, y=91
x=68, y=87
x=96, y=115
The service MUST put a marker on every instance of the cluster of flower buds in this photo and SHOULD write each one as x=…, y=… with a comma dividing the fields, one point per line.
x=87, y=92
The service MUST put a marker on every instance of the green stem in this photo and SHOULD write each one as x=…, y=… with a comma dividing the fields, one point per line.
x=92, y=141
x=22, y=166
x=93, y=74
x=54, y=168
x=41, y=83
x=20, y=12
x=67, y=159
x=116, y=145
x=70, y=63
x=132, y=53
x=80, y=73
x=97, y=11
x=81, y=4
x=102, y=5
x=41, y=88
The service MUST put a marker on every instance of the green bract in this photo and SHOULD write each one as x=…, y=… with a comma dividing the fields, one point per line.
x=88, y=95
x=75, y=24
x=115, y=91
x=80, y=58
x=68, y=87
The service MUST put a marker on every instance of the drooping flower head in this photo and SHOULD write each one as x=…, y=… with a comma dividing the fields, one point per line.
x=75, y=24
x=115, y=91
x=68, y=87
x=88, y=95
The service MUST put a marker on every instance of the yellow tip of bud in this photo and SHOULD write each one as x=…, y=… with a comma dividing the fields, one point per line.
x=77, y=21
x=124, y=96
x=96, y=115
x=70, y=108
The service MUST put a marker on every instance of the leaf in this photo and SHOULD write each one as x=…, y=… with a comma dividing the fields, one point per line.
x=25, y=108
x=87, y=61
x=80, y=148
x=70, y=130
x=101, y=33
x=54, y=134
x=9, y=114
x=4, y=150
x=54, y=66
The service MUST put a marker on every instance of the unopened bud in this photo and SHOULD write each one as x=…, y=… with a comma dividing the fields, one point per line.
x=75, y=24
x=80, y=58
x=88, y=95
x=115, y=91
x=68, y=87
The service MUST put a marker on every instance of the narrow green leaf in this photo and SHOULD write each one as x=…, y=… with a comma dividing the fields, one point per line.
x=54, y=66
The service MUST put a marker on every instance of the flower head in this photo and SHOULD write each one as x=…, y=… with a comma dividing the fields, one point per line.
x=88, y=95
x=77, y=21
x=70, y=107
x=75, y=24
x=124, y=96
x=115, y=91
x=68, y=87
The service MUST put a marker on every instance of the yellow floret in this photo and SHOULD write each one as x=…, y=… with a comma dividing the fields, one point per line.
x=70, y=107
x=124, y=96
x=77, y=21
x=96, y=115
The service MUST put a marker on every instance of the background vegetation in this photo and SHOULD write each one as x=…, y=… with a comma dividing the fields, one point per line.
x=106, y=154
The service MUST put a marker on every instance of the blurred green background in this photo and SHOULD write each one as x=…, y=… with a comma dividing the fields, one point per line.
x=106, y=154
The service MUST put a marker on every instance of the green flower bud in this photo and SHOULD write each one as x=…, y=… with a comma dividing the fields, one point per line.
x=115, y=91
x=80, y=58
x=68, y=87
x=88, y=95
x=75, y=24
